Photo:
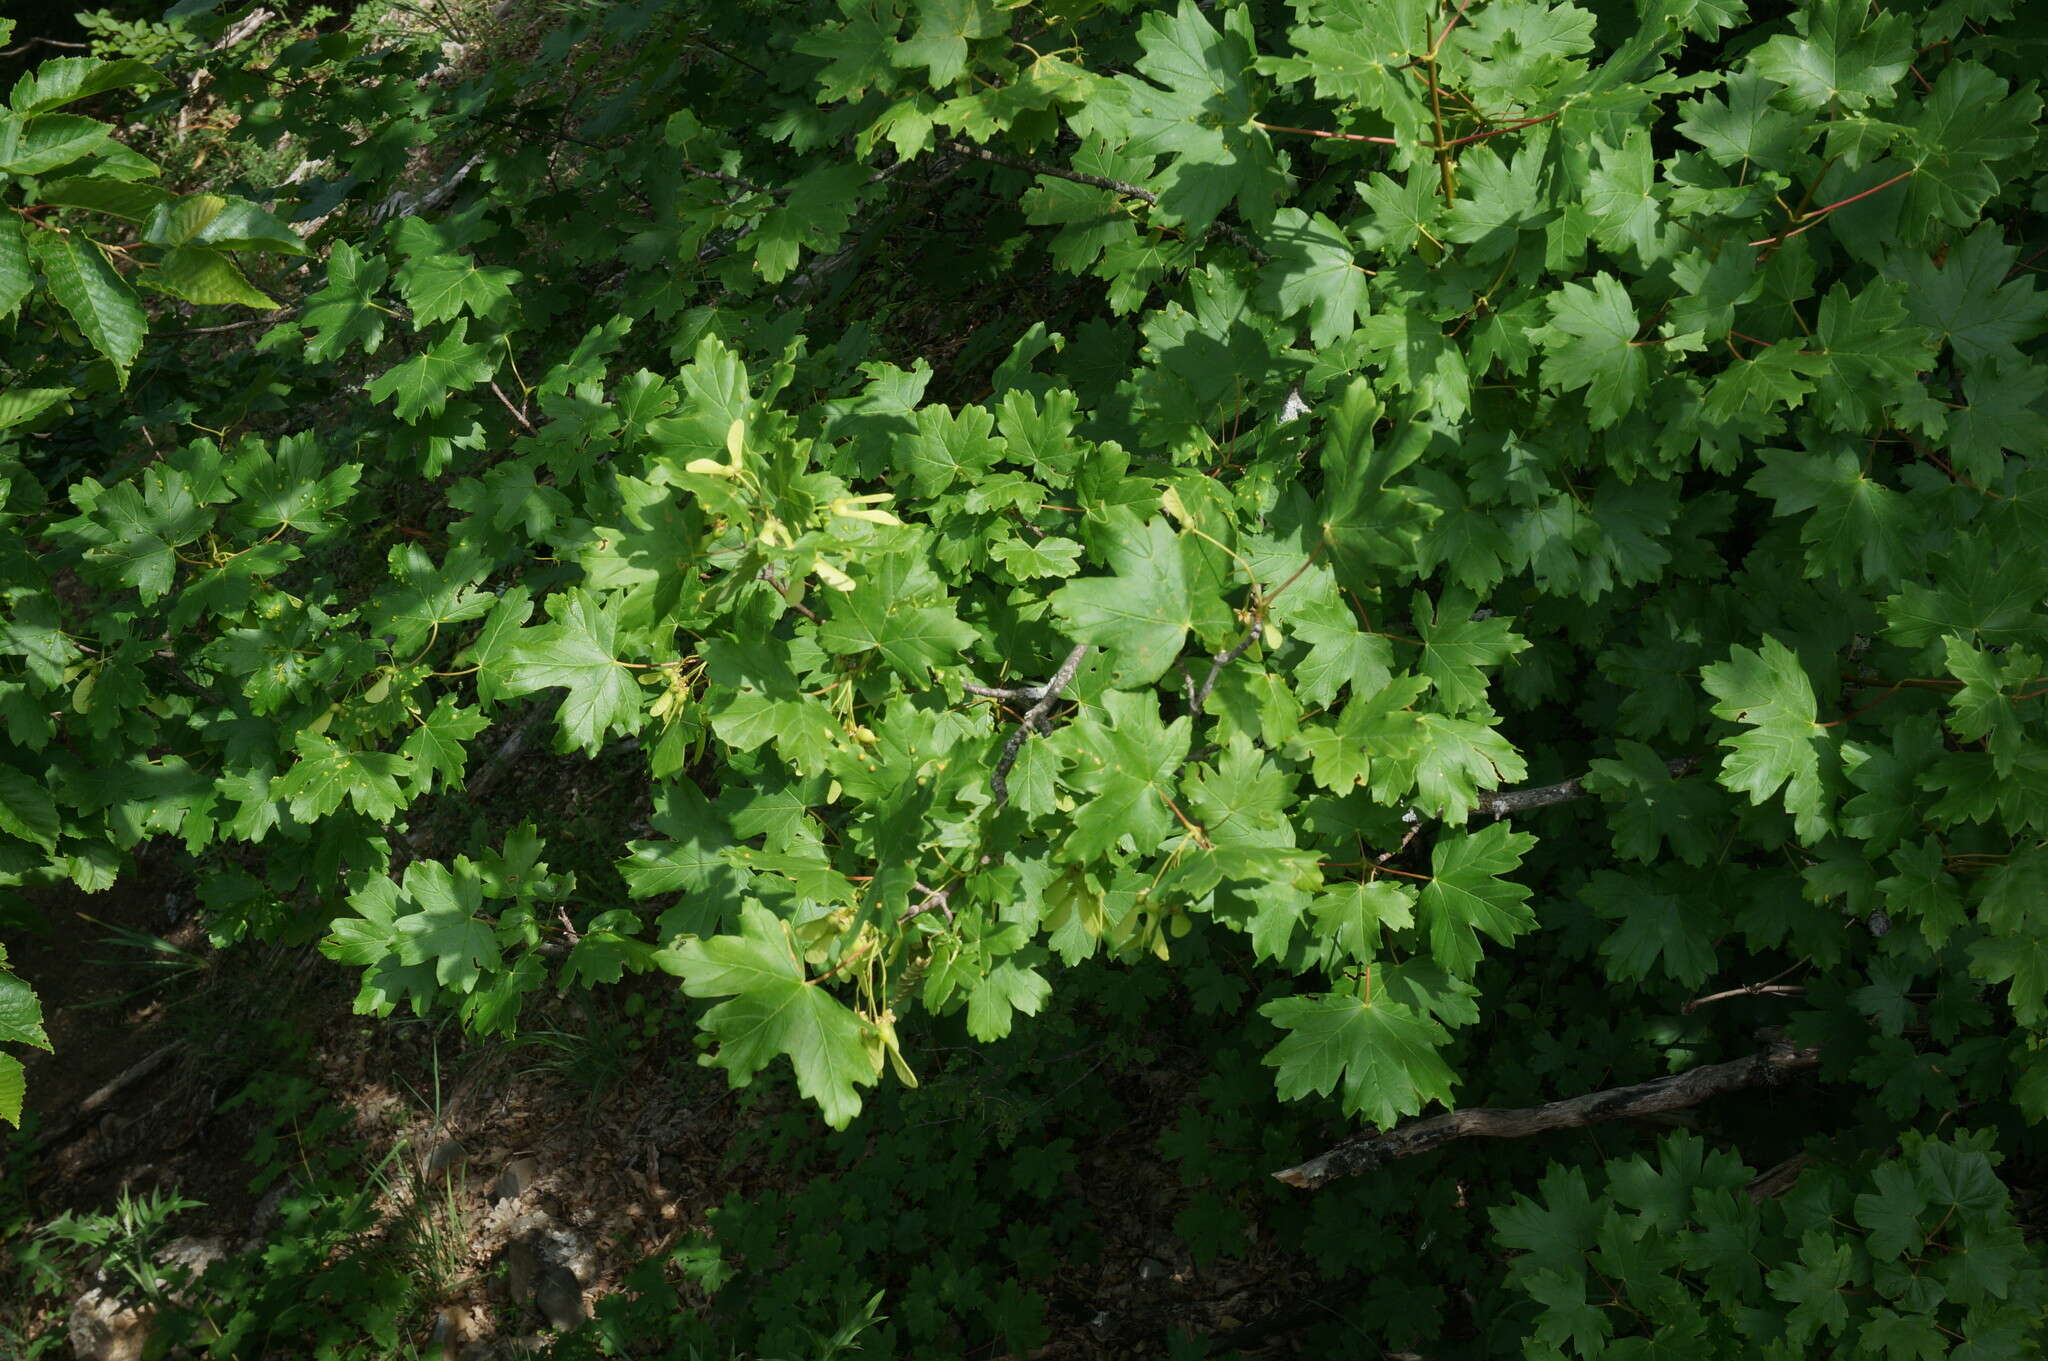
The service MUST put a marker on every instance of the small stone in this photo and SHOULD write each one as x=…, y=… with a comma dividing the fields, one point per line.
x=522, y=1269
x=559, y=1298
x=447, y=1155
x=105, y=1328
x=518, y=1174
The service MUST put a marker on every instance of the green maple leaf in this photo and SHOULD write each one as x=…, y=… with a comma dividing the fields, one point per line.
x=1314, y=267
x=944, y=28
x=438, y=745
x=1845, y=56
x=1967, y=302
x=1676, y=930
x=996, y=999
x=1621, y=196
x=1979, y=592
x=1455, y=646
x=1856, y=522
x=1143, y=613
x=1814, y=1285
x=1983, y=711
x=1590, y=343
x=1970, y=120
x=293, y=485
x=1745, y=128
x=2006, y=411
x=1126, y=764
x=1051, y=556
x=326, y=773
x=1404, y=212
x=1360, y=54
x=1498, y=201
x=135, y=530
x=1768, y=692
x=345, y=312
x=880, y=615
x=1383, y=1053
x=576, y=651
x=443, y=287
x=1876, y=354
x=776, y=1011
x=424, y=597
x=1750, y=392
x=1349, y=918
x=1466, y=895
x=1455, y=758
x=812, y=216
x=422, y=383
x=1653, y=808
x=1190, y=101
x=445, y=932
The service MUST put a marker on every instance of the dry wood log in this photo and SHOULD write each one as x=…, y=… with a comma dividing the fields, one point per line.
x=1671, y=1093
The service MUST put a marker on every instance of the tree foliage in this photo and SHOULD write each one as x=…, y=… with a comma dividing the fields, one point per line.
x=1393, y=403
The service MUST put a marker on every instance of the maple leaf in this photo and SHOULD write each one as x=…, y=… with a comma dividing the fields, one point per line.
x=443, y=287
x=444, y=931
x=1856, y=522
x=1315, y=267
x=575, y=651
x=1466, y=895
x=1190, y=102
x=1672, y=929
x=1143, y=613
x=326, y=773
x=776, y=1011
x=1970, y=120
x=1456, y=645
x=344, y=313
x=1767, y=690
x=420, y=386
x=1590, y=343
x=1127, y=765
x=1620, y=196
x=1844, y=56
x=1381, y=1052
x=1967, y=301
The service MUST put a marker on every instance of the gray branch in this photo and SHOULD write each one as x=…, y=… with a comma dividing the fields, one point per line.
x=1674, y=1092
x=1034, y=718
x=1507, y=802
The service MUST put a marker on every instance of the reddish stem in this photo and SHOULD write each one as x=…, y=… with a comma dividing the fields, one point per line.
x=1437, y=46
x=1814, y=218
x=1496, y=132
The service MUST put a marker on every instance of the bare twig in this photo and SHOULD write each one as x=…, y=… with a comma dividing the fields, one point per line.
x=934, y=900
x=1778, y=1180
x=1674, y=1092
x=517, y=414
x=783, y=591
x=1748, y=990
x=1058, y=172
x=1034, y=717
x=106, y=1092
x=1507, y=802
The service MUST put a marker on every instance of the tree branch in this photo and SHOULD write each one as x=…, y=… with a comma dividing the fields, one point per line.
x=1675, y=1092
x=1033, y=718
x=1507, y=802
x=1118, y=187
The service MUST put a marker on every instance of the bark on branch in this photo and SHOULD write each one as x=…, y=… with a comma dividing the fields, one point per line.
x=1507, y=802
x=1675, y=1092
